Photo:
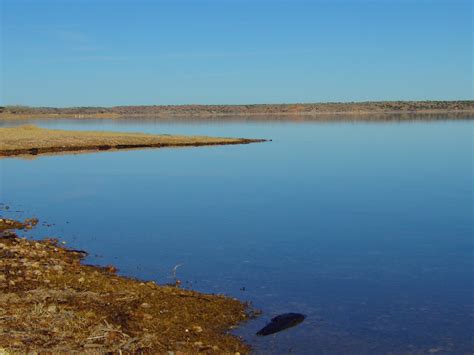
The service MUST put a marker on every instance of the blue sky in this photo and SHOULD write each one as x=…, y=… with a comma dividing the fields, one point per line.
x=104, y=52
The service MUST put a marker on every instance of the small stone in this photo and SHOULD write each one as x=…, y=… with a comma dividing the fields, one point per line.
x=52, y=308
x=112, y=269
x=145, y=305
x=197, y=329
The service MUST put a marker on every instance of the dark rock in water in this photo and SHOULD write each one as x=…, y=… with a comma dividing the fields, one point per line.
x=281, y=322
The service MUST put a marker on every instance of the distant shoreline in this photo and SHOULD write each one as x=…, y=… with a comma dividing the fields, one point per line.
x=309, y=111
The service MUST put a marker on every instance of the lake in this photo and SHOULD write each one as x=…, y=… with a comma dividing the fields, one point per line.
x=365, y=227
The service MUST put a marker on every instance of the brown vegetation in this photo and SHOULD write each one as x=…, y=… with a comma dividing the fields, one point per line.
x=51, y=302
x=314, y=109
x=34, y=140
x=8, y=224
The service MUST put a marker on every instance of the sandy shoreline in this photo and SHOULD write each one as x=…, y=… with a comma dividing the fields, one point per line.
x=50, y=301
x=32, y=140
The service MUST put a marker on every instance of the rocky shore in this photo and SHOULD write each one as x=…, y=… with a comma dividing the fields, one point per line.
x=51, y=302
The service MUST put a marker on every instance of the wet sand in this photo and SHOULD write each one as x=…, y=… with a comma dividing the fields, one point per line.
x=51, y=302
x=33, y=140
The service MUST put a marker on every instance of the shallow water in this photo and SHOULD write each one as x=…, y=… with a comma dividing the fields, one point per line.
x=367, y=228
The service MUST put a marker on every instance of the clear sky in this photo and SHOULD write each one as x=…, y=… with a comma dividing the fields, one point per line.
x=104, y=52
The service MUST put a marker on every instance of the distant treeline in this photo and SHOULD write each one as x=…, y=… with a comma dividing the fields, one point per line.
x=258, y=109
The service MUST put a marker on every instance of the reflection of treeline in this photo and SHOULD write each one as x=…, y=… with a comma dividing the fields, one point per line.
x=334, y=117
x=260, y=109
x=343, y=117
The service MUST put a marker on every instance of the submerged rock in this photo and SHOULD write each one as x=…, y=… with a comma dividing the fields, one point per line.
x=281, y=322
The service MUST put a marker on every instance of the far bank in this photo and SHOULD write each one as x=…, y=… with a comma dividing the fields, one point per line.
x=307, y=110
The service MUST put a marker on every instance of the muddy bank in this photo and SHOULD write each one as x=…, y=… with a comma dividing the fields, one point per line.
x=32, y=140
x=51, y=302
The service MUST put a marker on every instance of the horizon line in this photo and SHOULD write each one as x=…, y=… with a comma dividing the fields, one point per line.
x=243, y=104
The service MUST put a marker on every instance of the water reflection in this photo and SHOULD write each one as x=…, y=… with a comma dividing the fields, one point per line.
x=365, y=227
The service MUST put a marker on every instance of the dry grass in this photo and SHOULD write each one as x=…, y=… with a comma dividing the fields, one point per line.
x=29, y=139
x=51, y=302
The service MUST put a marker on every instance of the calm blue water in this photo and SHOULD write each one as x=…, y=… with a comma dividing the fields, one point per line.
x=367, y=228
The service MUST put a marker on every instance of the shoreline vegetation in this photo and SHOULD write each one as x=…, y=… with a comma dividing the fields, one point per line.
x=309, y=111
x=33, y=140
x=51, y=302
